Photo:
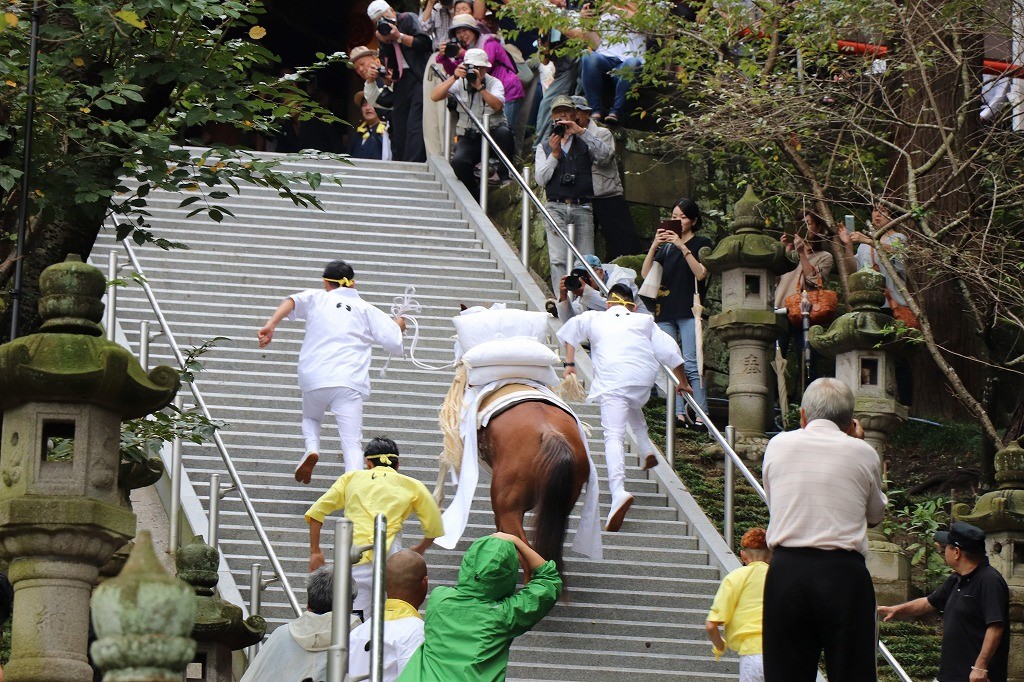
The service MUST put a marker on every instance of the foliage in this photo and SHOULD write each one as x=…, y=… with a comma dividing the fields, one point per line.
x=122, y=89
x=915, y=645
x=918, y=521
x=192, y=355
x=760, y=93
x=143, y=438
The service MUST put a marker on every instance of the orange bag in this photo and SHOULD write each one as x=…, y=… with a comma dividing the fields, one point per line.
x=824, y=304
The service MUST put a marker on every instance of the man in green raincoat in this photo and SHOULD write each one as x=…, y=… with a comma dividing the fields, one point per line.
x=468, y=629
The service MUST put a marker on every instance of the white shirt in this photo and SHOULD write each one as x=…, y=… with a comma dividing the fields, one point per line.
x=298, y=647
x=341, y=328
x=401, y=639
x=866, y=256
x=616, y=42
x=627, y=349
x=824, y=488
x=475, y=101
x=593, y=299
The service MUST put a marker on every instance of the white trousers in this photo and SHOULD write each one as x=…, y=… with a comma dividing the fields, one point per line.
x=362, y=581
x=616, y=412
x=752, y=668
x=347, y=406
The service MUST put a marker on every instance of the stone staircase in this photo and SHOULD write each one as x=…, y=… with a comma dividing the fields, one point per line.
x=637, y=614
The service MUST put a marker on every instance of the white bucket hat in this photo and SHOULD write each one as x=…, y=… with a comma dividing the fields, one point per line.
x=376, y=9
x=476, y=57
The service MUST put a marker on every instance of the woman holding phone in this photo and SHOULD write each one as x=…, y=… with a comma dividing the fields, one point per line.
x=676, y=247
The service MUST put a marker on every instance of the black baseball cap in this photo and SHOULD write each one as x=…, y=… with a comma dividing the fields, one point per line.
x=963, y=535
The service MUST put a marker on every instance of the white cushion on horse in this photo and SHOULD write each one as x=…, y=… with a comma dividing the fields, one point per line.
x=519, y=350
x=481, y=376
x=479, y=325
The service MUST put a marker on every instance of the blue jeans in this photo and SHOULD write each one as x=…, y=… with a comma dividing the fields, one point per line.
x=684, y=331
x=595, y=67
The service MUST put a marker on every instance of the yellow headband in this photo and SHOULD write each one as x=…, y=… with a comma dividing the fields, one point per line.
x=383, y=459
x=343, y=282
x=615, y=298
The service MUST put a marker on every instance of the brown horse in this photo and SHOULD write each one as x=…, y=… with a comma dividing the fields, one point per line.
x=538, y=461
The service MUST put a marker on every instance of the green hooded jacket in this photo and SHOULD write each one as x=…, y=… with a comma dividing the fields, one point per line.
x=469, y=628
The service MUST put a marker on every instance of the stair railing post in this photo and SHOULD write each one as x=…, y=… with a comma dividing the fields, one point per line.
x=337, y=653
x=670, y=420
x=216, y=492
x=111, y=317
x=524, y=246
x=255, y=603
x=173, y=532
x=570, y=230
x=485, y=161
x=728, y=502
x=447, y=135
x=380, y=550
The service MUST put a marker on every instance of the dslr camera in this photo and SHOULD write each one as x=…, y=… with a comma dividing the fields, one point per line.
x=576, y=279
x=471, y=72
x=382, y=71
x=451, y=50
x=558, y=129
x=569, y=179
x=384, y=27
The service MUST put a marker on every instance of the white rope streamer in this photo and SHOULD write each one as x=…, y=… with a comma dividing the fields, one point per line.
x=401, y=306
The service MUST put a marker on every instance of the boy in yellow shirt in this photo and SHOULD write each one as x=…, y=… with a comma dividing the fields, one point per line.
x=738, y=605
x=377, y=489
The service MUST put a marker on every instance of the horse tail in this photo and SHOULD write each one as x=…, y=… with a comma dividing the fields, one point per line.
x=558, y=464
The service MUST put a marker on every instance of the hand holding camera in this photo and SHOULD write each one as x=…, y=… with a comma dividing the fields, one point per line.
x=452, y=49
x=577, y=278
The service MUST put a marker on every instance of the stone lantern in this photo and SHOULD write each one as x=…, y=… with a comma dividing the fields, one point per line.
x=1000, y=514
x=219, y=628
x=864, y=343
x=142, y=620
x=62, y=519
x=748, y=261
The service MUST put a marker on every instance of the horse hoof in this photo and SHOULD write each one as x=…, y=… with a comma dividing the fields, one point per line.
x=618, y=514
x=304, y=472
x=649, y=462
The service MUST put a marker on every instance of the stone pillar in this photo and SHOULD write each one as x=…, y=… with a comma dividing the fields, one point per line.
x=142, y=620
x=1000, y=514
x=864, y=344
x=64, y=393
x=219, y=627
x=748, y=261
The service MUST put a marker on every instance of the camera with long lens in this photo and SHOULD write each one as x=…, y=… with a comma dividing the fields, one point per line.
x=576, y=279
x=384, y=27
x=451, y=50
x=568, y=179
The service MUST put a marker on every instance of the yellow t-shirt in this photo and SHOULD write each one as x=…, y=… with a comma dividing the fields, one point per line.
x=380, y=490
x=738, y=604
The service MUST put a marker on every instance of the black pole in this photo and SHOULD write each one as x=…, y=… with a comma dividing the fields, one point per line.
x=30, y=112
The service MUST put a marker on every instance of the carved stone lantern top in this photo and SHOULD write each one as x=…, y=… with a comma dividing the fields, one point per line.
x=70, y=361
x=1003, y=509
x=217, y=621
x=748, y=246
x=866, y=326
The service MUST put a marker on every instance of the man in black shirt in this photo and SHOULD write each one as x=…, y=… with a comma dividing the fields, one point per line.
x=975, y=606
x=404, y=49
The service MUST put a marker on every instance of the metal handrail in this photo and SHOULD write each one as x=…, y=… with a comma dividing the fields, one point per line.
x=670, y=416
x=218, y=441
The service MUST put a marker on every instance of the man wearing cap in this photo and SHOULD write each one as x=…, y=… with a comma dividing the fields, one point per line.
x=404, y=50
x=378, y=89
x=975, y=606
x=370, y=139
x=824, y=488
x=465, y=34
x=563, y=164
x=482, y=93
x=587, y=295
x=334, y=361
x=611, y=212
x=627, y=351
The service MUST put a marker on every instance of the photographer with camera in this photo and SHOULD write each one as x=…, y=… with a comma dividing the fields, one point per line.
x=404, y=49
x=563, y=165
x=465, y=34
x=377, y=83
x=578, y=292
x=481, y=93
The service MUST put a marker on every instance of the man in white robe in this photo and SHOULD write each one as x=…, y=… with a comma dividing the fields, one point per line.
x=334, y=361
x=627, y=350
x=406, y=584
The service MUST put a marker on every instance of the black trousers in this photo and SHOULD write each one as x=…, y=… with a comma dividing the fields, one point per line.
x=467, y=156
x=407, y=119
x=616, y=223
x=818, y=600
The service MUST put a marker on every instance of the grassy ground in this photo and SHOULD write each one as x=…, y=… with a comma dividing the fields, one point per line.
x=936, y=463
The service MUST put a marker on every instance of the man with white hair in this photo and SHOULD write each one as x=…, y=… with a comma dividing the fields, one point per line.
x=298, y=649
x=404, y=49
x=824, y=487
x=474, y=86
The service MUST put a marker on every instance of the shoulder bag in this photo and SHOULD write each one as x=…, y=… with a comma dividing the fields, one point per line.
x=824, y=303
